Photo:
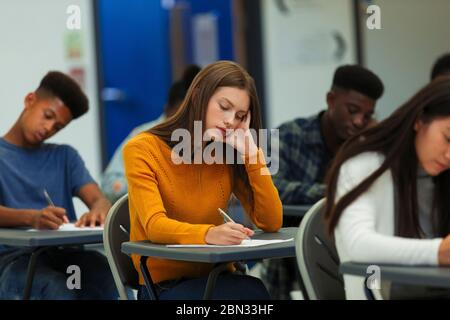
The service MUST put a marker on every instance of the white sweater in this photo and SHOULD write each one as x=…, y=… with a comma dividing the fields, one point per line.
x=365, y=231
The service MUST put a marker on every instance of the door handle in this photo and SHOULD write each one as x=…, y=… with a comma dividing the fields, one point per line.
x=113, y=95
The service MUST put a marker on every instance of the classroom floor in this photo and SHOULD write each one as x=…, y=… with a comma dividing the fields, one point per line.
x=255, y=271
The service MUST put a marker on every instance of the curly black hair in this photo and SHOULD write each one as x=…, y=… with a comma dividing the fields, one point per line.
x=62, y=86
x=360, y=79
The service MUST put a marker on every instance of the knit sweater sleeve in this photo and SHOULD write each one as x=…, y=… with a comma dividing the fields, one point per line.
x=261, y=201
x=145, y=198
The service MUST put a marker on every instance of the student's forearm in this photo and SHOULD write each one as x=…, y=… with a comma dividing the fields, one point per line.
x=101, y=204
x=16, y=217
x=264, y=196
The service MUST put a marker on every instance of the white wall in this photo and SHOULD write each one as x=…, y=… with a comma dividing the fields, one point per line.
x=414, y=33
x=298, y=50
x=32, y=41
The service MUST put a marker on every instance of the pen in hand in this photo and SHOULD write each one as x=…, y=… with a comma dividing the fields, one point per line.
x=227, y=218
x=47, y=197
x=50, y=203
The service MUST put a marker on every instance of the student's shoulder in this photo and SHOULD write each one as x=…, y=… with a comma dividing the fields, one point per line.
x=299, y=125
x=63, y=152
x=368, y=158
x=144, y=141
x=364, y=163
x=60, y=148
x=145, y=126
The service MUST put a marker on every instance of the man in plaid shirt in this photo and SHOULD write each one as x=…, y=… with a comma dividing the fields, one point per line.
x=307, y=147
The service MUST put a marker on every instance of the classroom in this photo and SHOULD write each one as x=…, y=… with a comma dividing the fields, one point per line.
x=180, y=149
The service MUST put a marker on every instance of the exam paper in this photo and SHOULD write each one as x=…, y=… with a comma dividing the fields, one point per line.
x=70, y=227
x=244, y=243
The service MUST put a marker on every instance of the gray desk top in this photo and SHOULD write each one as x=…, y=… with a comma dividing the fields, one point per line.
x=215, y=254
x=296, y=210
x=415, y=275
x=23, y=238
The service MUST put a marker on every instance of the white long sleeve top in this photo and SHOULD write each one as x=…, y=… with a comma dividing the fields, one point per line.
x=365, y=231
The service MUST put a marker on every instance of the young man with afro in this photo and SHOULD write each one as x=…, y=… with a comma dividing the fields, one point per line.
x=28, y=166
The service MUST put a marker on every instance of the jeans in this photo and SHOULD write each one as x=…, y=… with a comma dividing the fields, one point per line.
x=228, y=287
x=51, y=276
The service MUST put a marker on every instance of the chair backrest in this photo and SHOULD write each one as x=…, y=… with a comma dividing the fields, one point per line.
x=116, y=231
x=317, y=257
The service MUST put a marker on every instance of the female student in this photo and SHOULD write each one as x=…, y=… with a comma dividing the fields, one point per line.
x=388, y=191
x=177, y=203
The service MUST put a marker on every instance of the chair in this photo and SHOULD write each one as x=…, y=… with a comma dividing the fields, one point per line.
x=115, y=232
x=317, y=257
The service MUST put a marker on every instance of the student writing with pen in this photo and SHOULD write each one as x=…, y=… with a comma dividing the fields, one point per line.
x=174, y=195
x=28, y=165
x=51, y=204
x=228, y=219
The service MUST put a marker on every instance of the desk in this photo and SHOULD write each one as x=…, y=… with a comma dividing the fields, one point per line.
x=215, y=255
x=296, y=210
x=414, y=275
x=39, y=241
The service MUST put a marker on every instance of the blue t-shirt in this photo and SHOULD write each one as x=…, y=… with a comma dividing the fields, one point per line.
x=25, y=173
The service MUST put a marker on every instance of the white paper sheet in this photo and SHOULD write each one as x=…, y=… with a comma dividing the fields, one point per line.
x=70, y=227
x=244, y=243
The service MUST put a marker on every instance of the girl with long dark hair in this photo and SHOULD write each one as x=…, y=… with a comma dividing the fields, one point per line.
x=388, y=189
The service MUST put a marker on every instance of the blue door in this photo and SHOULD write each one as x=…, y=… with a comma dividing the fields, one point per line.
x=135, y=62
x=135, y=58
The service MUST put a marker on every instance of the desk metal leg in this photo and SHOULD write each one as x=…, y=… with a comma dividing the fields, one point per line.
x=148, y=279
x=31, y=271
x=212, y=279
x=210, y=284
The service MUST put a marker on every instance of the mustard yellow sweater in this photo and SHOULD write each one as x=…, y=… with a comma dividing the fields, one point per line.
x=177, y=204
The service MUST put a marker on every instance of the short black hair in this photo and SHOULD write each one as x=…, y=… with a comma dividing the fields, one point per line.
x=360, y=79
x=178, y=90
x=441, y=66
x=62, y=86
